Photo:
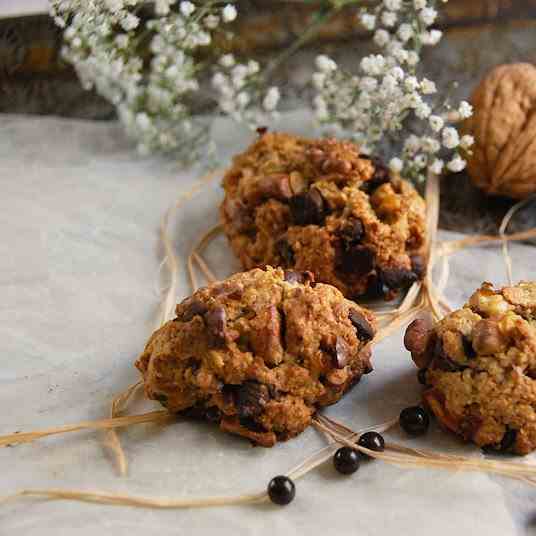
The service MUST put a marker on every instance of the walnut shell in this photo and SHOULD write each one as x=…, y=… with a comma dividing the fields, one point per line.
x=504, y=127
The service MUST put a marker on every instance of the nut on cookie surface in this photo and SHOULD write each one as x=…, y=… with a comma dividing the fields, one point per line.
x=259, y=353
x=480, y=366
x=320, y=205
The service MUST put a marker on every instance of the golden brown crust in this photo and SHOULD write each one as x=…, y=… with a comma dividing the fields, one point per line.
x=319, y=205
x=481, y=365
x=259, y=353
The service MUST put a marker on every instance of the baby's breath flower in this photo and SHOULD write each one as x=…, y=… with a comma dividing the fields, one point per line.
x=271, y=99
x=227, y=60
x=114, y=5
x=465, y=110
x=451, y=138
x=428, y=87
x=368, y=21
x=229, y=13
x=393, y=5
x=389, y=18
x=457, y=164
x=420, y=161
x=162, y=7
x=211, y=21
x=122, y=41
x=381, y=37
x=325, y=64
x=411, y=83
x=405, y=32
x=467, y=142
x=437, y=123
x=152, y=94
x=396, y=165
x=430, y=145
x=428, y=15
x=432, y=37
x=129, y=22
x=413, y=58
x=419, y=4
x=423, y=110
x=412, y=144
x=253, y=67
x=187, y=8
x=437, y=166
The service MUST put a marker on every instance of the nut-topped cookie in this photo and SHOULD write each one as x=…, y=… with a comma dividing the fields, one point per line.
x=259, y=353
x=321, y=206
x=480, y=367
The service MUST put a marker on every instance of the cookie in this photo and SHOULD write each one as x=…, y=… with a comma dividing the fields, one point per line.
x=259, y=353
x=480, y=364
x=321, y=206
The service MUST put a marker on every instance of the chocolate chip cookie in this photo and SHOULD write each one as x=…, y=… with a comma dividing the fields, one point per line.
x=259, y=353
x=321, y=206
x=480, y=368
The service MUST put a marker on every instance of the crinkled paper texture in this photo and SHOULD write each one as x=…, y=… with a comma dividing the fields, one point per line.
x=79, y=276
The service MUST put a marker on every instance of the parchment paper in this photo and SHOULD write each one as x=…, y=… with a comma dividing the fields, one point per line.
x=79, y=262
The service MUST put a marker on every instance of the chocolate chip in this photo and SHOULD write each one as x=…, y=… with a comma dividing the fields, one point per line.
x=307, y=209
x=356, y=260
x=397, y=278
x=213, y=414
x=284, y=250
x=194, y=412
x=250, y=399
x=161, y=397
x=194, y=308
x=353, y=230
x=365, y=331
x=376, y=288
x=443, y=361
x=509, y=439
x=252, y=425
x=468, y=347
x=292, y=276
x=507, y=442
x=216, y=322
x=418, y=266
x=261, y=131
x=421, y=376
x=380, y=176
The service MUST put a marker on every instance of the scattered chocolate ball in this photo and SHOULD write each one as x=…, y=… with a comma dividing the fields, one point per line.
x=371, y=441
x=281, y=490
x=346, y=460
x=414, y=421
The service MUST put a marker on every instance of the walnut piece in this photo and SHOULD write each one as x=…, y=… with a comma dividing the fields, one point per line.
x=488, y=339
x=504, y=127
x=418, y=341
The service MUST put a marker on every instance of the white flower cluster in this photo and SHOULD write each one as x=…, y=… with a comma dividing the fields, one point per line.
x=402, y=28
x=387, y=92
x=107, y=43
x=241, y=93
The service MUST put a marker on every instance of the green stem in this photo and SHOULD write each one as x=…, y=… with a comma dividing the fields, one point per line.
x=310, y=31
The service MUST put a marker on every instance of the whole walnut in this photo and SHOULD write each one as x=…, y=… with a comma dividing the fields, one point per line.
x=504, y=127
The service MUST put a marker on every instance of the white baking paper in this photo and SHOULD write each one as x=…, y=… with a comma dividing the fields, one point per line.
x=79, y=278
